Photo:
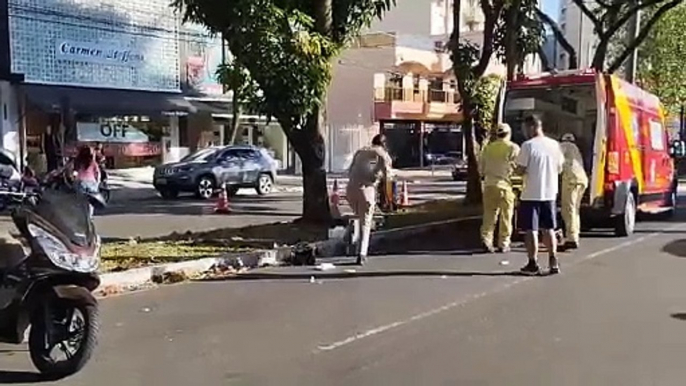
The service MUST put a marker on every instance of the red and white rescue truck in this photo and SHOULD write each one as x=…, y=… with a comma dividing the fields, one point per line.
x=620, y=130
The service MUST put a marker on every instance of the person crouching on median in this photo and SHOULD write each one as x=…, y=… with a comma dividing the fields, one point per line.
x=370, y=165
x=574, y=184
x=496, y=167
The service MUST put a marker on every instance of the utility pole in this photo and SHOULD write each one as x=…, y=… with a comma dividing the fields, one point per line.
x=634, y=29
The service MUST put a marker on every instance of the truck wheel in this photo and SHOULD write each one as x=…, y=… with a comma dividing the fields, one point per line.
x=626, y=222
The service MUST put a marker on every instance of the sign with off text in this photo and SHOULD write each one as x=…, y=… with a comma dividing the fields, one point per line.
x=104, y=131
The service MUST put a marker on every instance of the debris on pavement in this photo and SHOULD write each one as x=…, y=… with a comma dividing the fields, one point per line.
x=170, y=277
x=504, y=262
x=325, y=267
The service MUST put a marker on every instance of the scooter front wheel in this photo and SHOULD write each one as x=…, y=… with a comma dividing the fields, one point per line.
x=63, y=337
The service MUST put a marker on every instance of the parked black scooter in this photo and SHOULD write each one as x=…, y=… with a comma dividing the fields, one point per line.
x=50, y=288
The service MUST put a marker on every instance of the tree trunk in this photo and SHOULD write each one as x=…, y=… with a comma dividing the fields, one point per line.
x=511, y=52
x=598, y=63
x=310, y=146
x=236, y=113
x=474, y=193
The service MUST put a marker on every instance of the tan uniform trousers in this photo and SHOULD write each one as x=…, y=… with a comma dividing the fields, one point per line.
x=362, y=200
x=570, y=200
x=499, y=204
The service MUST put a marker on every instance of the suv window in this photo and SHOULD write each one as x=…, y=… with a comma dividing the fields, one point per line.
x=241, y=154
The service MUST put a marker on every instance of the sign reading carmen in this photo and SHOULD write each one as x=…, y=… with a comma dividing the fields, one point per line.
x=99, y=53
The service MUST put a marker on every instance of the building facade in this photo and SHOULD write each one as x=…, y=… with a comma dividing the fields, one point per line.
x=93, y=71
x=578, y=31
x=398, y=79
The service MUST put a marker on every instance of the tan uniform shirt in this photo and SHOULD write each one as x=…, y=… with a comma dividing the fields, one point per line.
x=573, y=167
x=369, y=165
x=497, y=163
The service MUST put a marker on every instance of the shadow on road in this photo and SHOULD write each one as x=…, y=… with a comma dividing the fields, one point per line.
x=676, y=248
x=16, y=377
x=680, y=316
x=255, y=276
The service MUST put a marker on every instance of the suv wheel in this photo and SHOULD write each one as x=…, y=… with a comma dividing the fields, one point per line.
x=168, y=194
x=205, y=188
x=625, y=223
x=264, y=184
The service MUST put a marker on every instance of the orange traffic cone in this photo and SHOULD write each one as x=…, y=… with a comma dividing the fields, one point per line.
x=335, y=201
x=222, y=206
x=404, y=197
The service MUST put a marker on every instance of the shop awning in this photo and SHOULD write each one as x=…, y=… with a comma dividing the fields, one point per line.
x=98, y=101
x=212, y=107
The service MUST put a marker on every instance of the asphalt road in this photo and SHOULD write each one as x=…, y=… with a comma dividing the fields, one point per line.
x=137, y=210
x=435, y=316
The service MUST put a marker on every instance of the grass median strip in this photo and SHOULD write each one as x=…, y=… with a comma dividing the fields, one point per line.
x=128, y=255
x=186, y=246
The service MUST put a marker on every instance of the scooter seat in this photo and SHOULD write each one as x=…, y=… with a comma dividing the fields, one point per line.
x=12, y=252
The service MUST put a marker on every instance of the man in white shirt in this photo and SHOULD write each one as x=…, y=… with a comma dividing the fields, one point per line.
x=540, y=160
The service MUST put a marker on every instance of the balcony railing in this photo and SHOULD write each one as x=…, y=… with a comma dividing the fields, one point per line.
x=396, y=94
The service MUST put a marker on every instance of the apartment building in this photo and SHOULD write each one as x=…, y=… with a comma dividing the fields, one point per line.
x=578, y=30
x=398, y=80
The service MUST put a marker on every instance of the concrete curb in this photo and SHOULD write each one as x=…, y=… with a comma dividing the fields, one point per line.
x=116, y=282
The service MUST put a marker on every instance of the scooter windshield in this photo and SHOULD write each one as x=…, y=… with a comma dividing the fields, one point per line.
x=69, y=213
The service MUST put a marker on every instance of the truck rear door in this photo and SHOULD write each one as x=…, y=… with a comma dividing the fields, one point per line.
x=657, y=165
x=597, y=183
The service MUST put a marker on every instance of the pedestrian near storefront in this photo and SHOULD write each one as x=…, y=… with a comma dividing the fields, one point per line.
x=540, y=161
x=369, y=167
x=496, y=166
x=574, y=184
x=87, y=173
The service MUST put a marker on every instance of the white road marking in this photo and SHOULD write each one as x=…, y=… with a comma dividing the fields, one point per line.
x=387, y=327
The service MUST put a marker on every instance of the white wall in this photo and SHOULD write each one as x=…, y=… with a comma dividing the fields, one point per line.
x=10, y=119
x=409, y=16
x=427, y=17
x=350, y=104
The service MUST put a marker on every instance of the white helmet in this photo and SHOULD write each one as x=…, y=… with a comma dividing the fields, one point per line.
x=568, y=137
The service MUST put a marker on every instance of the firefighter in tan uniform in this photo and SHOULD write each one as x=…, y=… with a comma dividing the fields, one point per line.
x=370, y=165
x=496, y=166
x=574, y=184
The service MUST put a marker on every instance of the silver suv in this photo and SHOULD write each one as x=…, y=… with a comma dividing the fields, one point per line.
x=204, y=171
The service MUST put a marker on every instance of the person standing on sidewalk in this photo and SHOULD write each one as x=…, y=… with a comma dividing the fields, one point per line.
x=574, y=184
x=540, y=161
x=370, y=165
x=496, y=167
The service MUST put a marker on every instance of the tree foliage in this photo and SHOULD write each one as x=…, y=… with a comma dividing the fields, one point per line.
x=469, y=64
x=279, y=43
x=287, y=47
x=246, y=92
x=514, y=44
x=610, y=20
x=661, y=68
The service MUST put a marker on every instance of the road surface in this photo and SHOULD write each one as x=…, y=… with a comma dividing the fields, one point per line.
x=136, y=209
x=434, y=316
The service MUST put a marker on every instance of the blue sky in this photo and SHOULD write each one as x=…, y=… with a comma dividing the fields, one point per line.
x=551, y=7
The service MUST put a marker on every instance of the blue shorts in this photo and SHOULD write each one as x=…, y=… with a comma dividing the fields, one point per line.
x=535, y=215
